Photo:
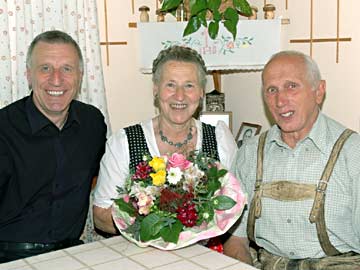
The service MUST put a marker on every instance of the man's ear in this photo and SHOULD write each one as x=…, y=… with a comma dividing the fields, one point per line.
x=320, y=92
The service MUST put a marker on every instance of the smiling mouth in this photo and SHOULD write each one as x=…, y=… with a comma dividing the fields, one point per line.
x=178, y=106
x=287, y=114
x=55, y=93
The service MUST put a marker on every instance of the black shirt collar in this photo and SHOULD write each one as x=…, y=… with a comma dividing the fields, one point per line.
x=38, y=121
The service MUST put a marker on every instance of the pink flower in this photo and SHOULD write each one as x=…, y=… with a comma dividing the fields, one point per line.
x=230, y=45
x=144, y=203
x=126, y=198
x=178, y=161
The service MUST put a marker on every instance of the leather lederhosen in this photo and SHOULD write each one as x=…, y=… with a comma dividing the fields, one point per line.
x=290, y=191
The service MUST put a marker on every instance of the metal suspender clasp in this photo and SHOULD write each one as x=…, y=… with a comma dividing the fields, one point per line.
x=322, y=185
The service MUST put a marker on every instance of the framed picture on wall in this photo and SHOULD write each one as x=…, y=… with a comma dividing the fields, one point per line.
x=213, y=117
x=246, y=131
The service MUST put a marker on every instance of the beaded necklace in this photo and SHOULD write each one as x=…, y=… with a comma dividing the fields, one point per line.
x=165, y=139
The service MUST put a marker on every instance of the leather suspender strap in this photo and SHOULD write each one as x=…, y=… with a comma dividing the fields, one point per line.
x=255, y=206
x=317, y=214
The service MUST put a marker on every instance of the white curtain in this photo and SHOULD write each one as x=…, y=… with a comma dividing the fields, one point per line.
x=22, y=20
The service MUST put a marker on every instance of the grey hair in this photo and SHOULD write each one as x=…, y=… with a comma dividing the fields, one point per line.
x=54, y=37
x=181, y=54
x=313, y=74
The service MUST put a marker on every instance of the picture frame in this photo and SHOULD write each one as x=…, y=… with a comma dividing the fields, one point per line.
x=212, y=118
x=248, y=130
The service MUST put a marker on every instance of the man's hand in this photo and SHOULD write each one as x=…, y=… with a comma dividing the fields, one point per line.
x=238, y=248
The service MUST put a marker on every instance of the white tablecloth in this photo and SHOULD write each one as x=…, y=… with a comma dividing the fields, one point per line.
x=119, y=254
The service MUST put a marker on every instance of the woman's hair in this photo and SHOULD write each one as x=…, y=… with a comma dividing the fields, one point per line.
x=181, y=54
x=54, y=37
x=313, y=74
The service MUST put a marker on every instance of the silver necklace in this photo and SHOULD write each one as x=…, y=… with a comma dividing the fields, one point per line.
x=188, y=138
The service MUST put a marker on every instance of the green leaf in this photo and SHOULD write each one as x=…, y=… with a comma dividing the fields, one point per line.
x=197, y=6
x=214, y=4
x=126, y=207
x=212, y=172
x=222, y=202
x=213, y=185
x=205, y=213
x=192, y=26
x=222, y=172
x=171, y=233
x=149, y=227
x=134, y=229
x=231, y=27
x=213, y=29
x=202, y=17
x=217, y=16
x=170, y=4
x=231, y=15
x=243, y=7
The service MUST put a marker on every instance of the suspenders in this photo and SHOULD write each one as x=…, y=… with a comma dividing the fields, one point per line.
x=302, y=192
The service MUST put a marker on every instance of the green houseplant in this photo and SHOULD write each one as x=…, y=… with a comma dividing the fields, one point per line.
x=210, y=14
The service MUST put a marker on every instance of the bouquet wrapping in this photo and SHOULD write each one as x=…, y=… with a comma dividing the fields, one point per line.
x=174, y=201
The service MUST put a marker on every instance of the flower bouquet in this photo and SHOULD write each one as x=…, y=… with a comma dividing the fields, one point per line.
x=172, y=202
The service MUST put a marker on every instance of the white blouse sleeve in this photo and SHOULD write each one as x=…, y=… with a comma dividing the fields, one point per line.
x=114, y=168
x=226, y=144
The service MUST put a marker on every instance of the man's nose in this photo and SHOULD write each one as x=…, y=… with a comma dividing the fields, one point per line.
x=281, y=98
x=56, y=77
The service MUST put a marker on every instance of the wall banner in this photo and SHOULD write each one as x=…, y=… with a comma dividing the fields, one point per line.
x=255, y=42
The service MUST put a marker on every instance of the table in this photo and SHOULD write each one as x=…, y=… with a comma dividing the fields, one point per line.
x=119, y=254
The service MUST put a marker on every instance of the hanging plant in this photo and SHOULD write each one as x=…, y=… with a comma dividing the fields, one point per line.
x=210, y=13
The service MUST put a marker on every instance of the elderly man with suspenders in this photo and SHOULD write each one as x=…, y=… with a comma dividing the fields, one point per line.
x=302, y=177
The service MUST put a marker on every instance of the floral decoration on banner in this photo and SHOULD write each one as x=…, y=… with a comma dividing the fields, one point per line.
x=173, y=201
x=219, y=46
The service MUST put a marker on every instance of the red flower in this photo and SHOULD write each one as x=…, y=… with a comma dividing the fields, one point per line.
x=216, y=244
x=143, y=171
x=169, y=200
x=187, y=214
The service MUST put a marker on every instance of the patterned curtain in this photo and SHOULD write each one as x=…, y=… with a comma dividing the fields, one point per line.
x=22, y=20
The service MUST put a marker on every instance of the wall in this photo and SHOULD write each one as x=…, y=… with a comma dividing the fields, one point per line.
x=129, y=92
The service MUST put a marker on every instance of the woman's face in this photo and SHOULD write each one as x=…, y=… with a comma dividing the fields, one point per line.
x=179, y=92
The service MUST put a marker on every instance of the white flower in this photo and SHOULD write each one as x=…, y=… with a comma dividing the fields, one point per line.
x=152, y=191
x=194, y=172
x=192, y=176
x=174, y=175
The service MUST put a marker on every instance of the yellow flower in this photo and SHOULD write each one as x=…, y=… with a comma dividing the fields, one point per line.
x=157, y=164
x=158, y=178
